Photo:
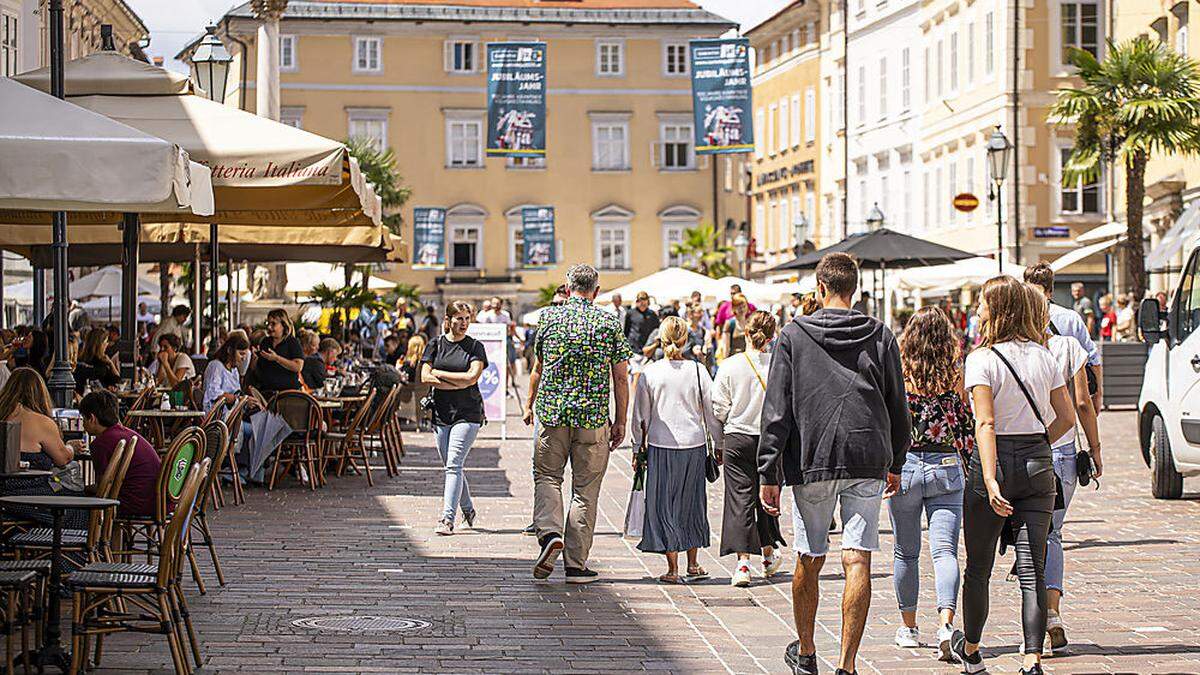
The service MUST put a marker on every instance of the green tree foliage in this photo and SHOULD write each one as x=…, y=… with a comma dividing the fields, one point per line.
x=1141, y=101
x=703, y=251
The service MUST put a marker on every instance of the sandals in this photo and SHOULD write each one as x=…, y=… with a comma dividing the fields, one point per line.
x=696, y=573
x=670, y=579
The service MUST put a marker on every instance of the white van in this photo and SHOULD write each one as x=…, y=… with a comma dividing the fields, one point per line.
x=1169, y=405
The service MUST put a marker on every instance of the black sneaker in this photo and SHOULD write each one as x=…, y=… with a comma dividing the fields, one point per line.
x=1035, y=669
x=552, y=546
x=469, y=517
x=801, y=664
x=530, y=531
x=971, y=663
x=576, y=575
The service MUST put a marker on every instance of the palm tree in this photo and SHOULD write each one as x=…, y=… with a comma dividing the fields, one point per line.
x=703, y=251
x=546, y=295
x=1142, y=100
x=379, y=168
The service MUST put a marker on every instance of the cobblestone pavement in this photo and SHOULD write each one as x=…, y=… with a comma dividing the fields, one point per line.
x=291, y=556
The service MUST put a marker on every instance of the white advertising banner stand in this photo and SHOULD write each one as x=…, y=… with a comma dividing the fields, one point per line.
x=493, y=384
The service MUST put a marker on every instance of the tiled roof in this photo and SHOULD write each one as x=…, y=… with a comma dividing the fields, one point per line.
x=642, y=12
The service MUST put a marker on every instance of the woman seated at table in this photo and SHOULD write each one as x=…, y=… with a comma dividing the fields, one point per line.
x=410, y=365
x=26, y=400
x=100, y=419
x=321, y=364
x=222, y=377
x=171, y=366
x=94, y=363
x=279, y=359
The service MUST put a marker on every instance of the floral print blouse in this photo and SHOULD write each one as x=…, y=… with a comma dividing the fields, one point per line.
x=941, y=422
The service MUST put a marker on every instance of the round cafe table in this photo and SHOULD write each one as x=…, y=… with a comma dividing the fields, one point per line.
x=51, y=652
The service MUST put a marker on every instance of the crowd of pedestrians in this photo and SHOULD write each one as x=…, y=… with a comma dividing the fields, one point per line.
x=832, y=405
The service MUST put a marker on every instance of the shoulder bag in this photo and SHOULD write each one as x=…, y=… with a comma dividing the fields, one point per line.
x=1059, y=497
x=755, y=369
x=712, y=468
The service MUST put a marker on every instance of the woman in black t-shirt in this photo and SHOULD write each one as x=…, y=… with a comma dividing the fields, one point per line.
x=279, y=357
x=453, y=364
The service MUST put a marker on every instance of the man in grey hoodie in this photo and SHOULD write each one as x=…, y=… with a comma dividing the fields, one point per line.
x=836, y=419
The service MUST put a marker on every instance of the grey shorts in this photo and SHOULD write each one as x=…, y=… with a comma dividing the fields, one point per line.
x=812, y=510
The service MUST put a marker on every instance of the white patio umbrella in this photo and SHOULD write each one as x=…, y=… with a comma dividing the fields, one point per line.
x=106, y=283
x=958, y=275
x=760, y=293
x=107, y=309
x=60, y=157
x=19, y=293
x=673, y=283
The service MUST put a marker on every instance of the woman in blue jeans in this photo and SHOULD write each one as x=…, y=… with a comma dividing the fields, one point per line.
x=932, y=478
x=453, y=364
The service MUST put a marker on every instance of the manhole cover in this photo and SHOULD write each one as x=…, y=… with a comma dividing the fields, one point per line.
x=363, y=624
x=729, y=602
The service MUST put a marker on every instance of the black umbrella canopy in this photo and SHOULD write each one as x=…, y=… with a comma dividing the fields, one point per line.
x=883, y=248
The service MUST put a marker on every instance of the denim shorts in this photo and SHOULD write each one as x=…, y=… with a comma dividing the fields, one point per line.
x=813, y=505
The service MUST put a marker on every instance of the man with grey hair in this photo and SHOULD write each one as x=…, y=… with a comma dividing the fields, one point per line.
x=579, y=350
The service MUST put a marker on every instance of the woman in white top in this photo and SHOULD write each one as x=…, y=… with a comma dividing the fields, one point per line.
x=737, y=401
x=672, y=417
x=1020, y=401
x=1071, y=358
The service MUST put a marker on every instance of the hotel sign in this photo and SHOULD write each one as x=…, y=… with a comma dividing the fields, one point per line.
x=802, y=168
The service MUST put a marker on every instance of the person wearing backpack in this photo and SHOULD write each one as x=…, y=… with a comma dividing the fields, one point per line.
x=1016, y=386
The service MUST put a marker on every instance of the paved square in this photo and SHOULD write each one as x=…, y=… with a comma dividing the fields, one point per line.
x=467, y=603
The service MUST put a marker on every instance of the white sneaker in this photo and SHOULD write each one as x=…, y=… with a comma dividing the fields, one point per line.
x=771, y=565
x=444, y=528
x=741, y=576
x=1057, y=632
x=908, y=637
x=944, y=634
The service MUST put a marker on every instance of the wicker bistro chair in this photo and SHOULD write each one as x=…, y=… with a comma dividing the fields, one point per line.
x=233, y=422
x=154, y=594
x=385, y=433
x=20, y=599
x=346, y=443
x=142, y=425
x=185, y=451
x=371, y=436
x=302, y=447
x=82, y=546
x=216, y=445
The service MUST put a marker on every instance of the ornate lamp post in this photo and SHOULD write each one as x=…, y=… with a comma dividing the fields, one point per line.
x=875, y=218
x=799, y=232
x=740, y=246
x=998, y=149
x=210, y=71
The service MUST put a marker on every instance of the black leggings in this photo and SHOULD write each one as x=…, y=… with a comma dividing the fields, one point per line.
x=1026, y=475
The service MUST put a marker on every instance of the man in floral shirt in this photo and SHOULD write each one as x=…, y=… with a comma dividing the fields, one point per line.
x=580, y=349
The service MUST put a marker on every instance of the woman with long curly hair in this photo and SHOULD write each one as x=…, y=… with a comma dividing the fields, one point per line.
x=932, y=479
x=1020, y=401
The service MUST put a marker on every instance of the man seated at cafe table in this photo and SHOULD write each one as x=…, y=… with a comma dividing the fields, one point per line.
x=320, y=364
x=172, y=365
x=101, y=421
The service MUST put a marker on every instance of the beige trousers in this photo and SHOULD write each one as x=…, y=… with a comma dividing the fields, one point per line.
x=588, y=451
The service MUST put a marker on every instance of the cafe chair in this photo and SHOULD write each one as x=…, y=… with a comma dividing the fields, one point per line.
x=151, y=594
x=82, y=546
x=233, y=422
x=20, y=604
x=141, y=425
x=216, y=445
x=185, y=450
x=300, y=448
x=372, y=437
x=350, y=441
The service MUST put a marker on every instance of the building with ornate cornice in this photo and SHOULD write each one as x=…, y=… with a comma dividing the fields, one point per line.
x=620, y=167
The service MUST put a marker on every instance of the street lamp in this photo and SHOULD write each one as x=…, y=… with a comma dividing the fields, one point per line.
x=210, y=71
x=210, y=65
x=875, y=218
x=800, y=231
x=740, y=246
x=998, y=153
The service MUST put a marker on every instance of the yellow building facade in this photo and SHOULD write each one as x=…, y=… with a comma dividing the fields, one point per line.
x=785, y=167
x=620, y=168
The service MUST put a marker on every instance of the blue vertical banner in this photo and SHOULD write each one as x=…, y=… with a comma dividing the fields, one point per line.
x=429, y=238
x=721, y=101
x=516, y=96
x=537, y=226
